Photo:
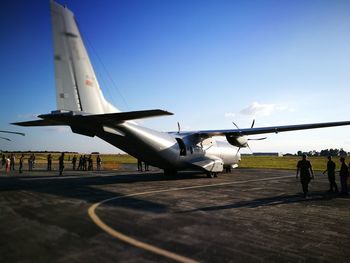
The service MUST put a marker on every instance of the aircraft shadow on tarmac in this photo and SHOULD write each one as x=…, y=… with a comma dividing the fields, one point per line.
x=85, y=188
x=270, y=201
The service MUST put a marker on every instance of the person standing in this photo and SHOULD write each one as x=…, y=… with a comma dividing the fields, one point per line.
x=331, y=175
x=139, y=165
x=30, y=163
x=304, y=167
x=12, y=162
x=21, y=160
x=80, y=165
x=344, y=174
x=84, y=162
x=146, y=166
x=3, y=160
x=90, y=163
x=61, y=164
x=98, y=161
x=8, y=164
x=49, y=162
x=33, y=161
x=74, y=162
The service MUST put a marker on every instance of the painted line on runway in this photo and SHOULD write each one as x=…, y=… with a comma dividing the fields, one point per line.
x=148, y=247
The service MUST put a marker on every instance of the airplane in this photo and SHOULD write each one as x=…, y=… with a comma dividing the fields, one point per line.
x=82, y=106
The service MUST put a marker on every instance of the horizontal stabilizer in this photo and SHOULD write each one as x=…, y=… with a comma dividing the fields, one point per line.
x=70, y=118
x=129, y=115
x=37, y=123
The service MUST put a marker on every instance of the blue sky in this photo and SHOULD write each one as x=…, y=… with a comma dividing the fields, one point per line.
x=209, y=62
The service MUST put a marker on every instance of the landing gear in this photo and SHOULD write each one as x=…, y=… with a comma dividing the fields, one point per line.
x=170, y=172
x=212, y=174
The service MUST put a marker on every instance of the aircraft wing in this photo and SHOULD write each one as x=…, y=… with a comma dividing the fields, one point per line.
x=272, y=129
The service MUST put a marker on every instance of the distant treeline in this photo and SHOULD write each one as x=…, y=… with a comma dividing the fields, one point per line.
x=326, y=152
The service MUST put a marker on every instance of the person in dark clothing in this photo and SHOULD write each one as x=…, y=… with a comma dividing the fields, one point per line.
x=146, y=166
x=98, y=161
x=21, y=160
x=80, y=165
x=90, y=163
x=12, y=162
x=49, y=162
x=3, y=160
x=331, y=175
x=344, y=174
x=306, y=174
x=61, y=164
x=139, y=165
x=74, y=162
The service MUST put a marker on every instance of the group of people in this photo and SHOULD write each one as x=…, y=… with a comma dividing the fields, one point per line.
x=304, y=169
x=85, y=163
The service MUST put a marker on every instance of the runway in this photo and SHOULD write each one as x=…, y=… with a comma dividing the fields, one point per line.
x=247, y=216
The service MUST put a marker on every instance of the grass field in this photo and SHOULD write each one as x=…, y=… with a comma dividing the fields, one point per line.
x=113, y=161
x=286, y=162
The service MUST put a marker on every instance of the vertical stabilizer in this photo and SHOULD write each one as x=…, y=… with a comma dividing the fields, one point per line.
x=77, y=88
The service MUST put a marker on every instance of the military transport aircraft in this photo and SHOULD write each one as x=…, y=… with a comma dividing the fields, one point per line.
x=82, y=106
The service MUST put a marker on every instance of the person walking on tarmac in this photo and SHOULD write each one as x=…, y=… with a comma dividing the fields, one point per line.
x=304, y=167
x=331, y=175
x=61, y=164
x=344, y=174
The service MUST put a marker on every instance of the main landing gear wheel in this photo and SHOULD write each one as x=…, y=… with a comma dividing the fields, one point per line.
x=212, y=174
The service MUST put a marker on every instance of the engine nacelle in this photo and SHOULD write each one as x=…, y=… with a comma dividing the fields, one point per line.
x=238, y=141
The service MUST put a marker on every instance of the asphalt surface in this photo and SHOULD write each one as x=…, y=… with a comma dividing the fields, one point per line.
x=247, y=216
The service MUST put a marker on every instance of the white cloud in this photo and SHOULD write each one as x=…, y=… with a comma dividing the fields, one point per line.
x=28, y=116
x=57, y=128
x=256, y=108
x=229, y=114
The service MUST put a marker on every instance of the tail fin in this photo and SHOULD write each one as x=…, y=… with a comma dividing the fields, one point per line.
x=77, y=88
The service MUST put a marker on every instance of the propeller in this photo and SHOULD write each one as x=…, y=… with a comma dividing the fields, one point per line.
x=7, y=139
x=178, y=127
x=19, y=133
x=251, y=139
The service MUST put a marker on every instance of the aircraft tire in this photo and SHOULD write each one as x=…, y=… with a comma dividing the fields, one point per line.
x=211, y=175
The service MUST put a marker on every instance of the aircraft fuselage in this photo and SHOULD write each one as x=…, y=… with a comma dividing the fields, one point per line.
x=169, y=151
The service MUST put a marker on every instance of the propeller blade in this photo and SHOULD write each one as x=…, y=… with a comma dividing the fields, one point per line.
x=249, y=148
x=236, y=125
x=7, y=139
x=257, y=139
x=19, y=133
x=238, y=150
x=178, y=127
x=252, y=124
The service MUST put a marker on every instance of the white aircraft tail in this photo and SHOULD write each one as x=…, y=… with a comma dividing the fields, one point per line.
x=77, y=88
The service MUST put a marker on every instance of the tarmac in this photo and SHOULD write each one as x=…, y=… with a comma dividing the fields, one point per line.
x=249, y=215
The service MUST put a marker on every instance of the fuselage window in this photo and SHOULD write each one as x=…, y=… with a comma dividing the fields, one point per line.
x=182, y=146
